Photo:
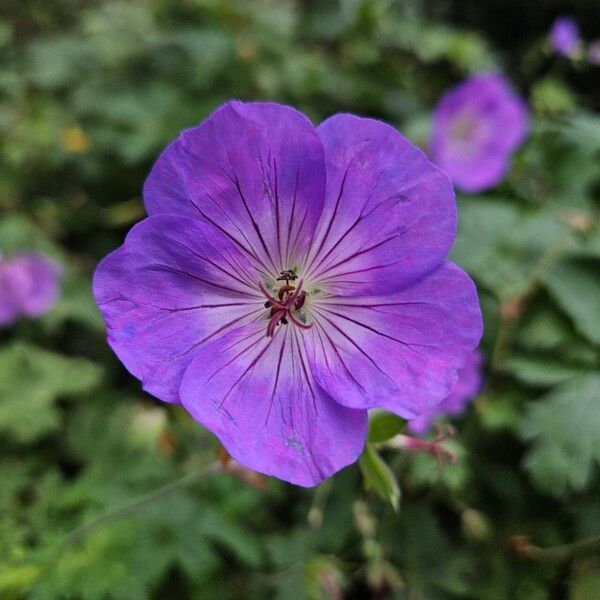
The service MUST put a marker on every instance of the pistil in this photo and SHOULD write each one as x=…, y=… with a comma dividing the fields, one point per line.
x=289, y=299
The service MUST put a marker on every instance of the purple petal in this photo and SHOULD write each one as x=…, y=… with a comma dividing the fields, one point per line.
x=476, y=127
x=40, y=286
x=564, y=35
x=29, y=286
x=389, y=214
x=401, y=351
x=175, y=284
x=422, y=424
x=258, y=396
x=472, y=175
x=255, y=171
x=470, y=379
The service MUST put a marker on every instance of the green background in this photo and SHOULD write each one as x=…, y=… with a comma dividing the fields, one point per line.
x=90, y=91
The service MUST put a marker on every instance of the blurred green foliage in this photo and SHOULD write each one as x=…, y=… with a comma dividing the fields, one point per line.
x=90, y=91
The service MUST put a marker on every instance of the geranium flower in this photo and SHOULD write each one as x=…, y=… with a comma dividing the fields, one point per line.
x=29, y=286
x=476, y=127
x=564, y=35
x=470, y=379
x=289, y=278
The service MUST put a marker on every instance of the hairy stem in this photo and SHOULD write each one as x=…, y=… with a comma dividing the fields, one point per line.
x=512, y=309
x=79, y=533
x=556, y=553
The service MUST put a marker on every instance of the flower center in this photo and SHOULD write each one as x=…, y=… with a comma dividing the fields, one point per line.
x=286, y=305
x=464, y=128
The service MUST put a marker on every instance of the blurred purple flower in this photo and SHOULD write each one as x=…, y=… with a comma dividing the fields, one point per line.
x=289, y=278
x=564, y=35
x=476, y=127
x=29, y=286
x=470, y=379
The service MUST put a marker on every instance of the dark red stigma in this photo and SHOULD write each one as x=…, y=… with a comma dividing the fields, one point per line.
x=289, y=298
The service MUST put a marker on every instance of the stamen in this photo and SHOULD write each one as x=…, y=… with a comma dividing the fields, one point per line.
x=299, y=323
x=274, y=321
x=284, y=289
x=290, y=298
x=300, y=301
x=287, y=276
x=270, y=298
x=298, y=291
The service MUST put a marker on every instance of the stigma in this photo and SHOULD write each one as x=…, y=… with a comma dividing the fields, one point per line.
x=288, y=300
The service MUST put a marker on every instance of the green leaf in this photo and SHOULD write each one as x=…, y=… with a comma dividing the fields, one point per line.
x=545, y=330
x=564, y=427
x=75, y=304
x=498, y=411
x=585, y=582
x=500, y=244
x=383, y=426
x=180, y=530
x=377, y=476
x=551, y=96
x=576, y=288
x=15, y=580
x=18, y=233
x=542, y=371
x=30, y=381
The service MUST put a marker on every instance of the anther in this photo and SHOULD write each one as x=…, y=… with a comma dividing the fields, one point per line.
x=287, y=276
x=299, y=303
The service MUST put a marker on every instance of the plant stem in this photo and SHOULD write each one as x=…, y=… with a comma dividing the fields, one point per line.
x=514, y=307
x=315, y=514
x=557, y=553
x=130, y=508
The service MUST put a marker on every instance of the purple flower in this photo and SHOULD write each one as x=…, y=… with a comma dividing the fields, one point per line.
x=29, y=286
x=564, y=35
x=467, y=387
x=476, y=127
x=289, y=278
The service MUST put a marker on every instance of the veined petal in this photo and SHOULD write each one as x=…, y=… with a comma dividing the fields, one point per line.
x=258, y=396
x=255, y=171
x=175, y=284
x=401, y=351
x=389, y=214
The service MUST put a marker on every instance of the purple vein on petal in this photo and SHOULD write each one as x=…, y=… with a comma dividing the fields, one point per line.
x=337, y=353
x=169, y=269
x=214, y=264
x=238, y=187
x=333, y=216
x=376, y=331
x=357, y=346
x=221, y=329
x=291, y=220
x=356, y=254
